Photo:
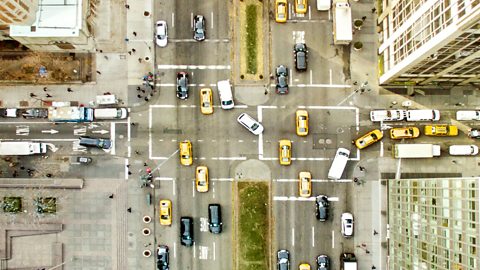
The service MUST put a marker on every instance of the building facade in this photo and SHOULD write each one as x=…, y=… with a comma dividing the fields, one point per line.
x=434, y=223
x=424, y=42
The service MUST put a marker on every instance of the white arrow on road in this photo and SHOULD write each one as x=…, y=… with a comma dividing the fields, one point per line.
x=100, y=131
x=51, y=131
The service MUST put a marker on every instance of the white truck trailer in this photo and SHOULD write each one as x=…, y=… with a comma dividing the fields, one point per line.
x=417, y=150
x=348, y=261
x=342, y=22
x=22, y=148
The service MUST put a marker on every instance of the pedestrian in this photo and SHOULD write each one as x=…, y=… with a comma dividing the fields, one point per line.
x=111, y=196
x=128, y=165
x=362, y=169
x=375, y=232
x=129, y=52
x=133, y=50
x=127, y=6
x=138, y=88
x=49, y=175
x=14, y=174
x=373, y=10
x=101, y=51
x=69, y=89
x=22, y=168
x=139, y=96
x=373, y=267
x=32, y=95
x=145, y=164
x=48, y=96
x=133, y=124
x=106, y=57
x=98, y=72
x=134, y=33
x=129, y=209
x=107, y=93
x=355, y=179
x=129, y=173
x=364, y=18
x=137, y=152
x=140, y=60
x=143, y=91
x=266, y=91
x=364, y=245
x=152, y=86
x=127, y=39
x=367, y=251
x=45, y=89
x=146, y=99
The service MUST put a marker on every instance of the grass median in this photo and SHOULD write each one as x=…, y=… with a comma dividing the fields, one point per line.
x=254, y=226
x=251, y=38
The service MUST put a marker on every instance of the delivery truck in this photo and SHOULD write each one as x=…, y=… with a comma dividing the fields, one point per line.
x=342, y=22
x=418, y=150
x=22, y=148
x=348, y=261
x=70, y=114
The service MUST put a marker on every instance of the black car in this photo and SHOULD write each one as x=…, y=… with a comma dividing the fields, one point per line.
x=281, y=73
x=283, y=260
x=323, y=262
x=182, y=85
x=199, y=28
x=162, y=257
x=215, y=218
x=300, y=56
x=321, y=205
x=95, y=142
x=186, y=231
x=35, y=113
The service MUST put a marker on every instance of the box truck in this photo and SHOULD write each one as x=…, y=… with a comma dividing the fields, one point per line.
x=348, y=261
x=342, y=22
x=22, y=148
x=419, y=150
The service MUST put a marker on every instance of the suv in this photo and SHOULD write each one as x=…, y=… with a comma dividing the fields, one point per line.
x=323, y=262
x=35, y=113
x=95, y=142
x=215, y=218
x=321, y=207
x=300, y=56
x=162, y=257
x=249, y=123
x=283, y=260
x=281, y=74
x=186, y=231
x=182, y=85
x=199, y=28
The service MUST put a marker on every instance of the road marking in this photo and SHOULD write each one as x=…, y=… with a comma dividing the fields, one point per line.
x=286, y=180
x=333, y=239
x=222, y=179
x=191, y=19
x=293, y=237
x=381, y=148
x=194, y=250
x=211, y=15
x=309, y=12
x=311, y=76
x=214, y=250
x=207, y=40
x=112, y=138
x=126, y=169
x=23, y=130
x=193, y=189
x=203, y=224
x=285, y=198
x=313, y=236
x=203, y=253
x=174, y=249
x=173, y=187
x=399, y=166
x=212, y=67
x=322, y=85
x=330, y=74
x=229, y=158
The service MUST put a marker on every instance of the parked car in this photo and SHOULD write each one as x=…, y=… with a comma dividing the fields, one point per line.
x=285, y=152
x=441, y=130
x=468, y=115
x=281, y=75
x=474, y=133
x=249, y=123
x=321, y=207
x=323, y=262
x=186, y=231
x=301, y=6
x=206, y=101
x=161, y=34
x=35, y=113
x=9, y=113
x=283, y=260
x=368, y=139
x=95, y=142
x=387, y=115
x=281, y=11
x=463, y=150
x=162, y=257
x=304, y=266
x=404, y=133
x=84, y=160
x=300, y=56
x=301, y=120
x=305, y=184
x=182, y=85
x=199, y=28
x=201, y=178
x=347, y=224
x=165, y=212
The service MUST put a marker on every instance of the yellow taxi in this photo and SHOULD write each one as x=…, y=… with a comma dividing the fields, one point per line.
x=368, y=139
x=301, y=119
x=404, y=133
x=285, y=152
x=281, y=11
x=206, y=101
x=186, y=153
x=441, y=130
x=304, y=266
x=165, y=212
x=301, y=6
x=305, y=184
x=201, y=178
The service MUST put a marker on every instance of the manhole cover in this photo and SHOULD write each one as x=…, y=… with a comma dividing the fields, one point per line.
x=324, y=141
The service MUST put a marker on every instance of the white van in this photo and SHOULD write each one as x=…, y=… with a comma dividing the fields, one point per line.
x=110, y=113
x=338, y=164
x=463, y=150
x=323, y=4
x=423, y=115
x=225, y=92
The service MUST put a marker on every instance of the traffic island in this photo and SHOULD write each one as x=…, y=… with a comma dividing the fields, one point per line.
x=253, y=232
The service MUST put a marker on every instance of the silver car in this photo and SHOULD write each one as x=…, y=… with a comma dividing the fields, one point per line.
x=249, y=123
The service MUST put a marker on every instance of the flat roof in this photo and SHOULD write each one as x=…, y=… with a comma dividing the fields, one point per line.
x=54, y=18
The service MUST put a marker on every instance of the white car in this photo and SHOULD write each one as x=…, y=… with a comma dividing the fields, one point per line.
x=387, y=115
x=251, y=124
x=161, y=34
x=468, y=115
x=347, y=224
